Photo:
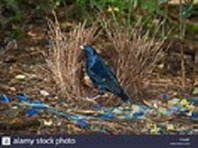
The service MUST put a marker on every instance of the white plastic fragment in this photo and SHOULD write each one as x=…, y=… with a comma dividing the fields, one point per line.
x=48, y=123
x=44, y=93
x=20, y=77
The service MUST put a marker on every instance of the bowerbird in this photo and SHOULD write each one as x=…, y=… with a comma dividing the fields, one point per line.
x=101, y=75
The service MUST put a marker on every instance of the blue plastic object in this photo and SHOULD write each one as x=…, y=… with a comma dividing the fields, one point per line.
x=5, y=98
x=195, y=115
x=22, y=97
x=164, y=96
x=31, y=112
x=37, y=104
x=194, y=100
x=98, y=106
x=82, y=123
x=109, y=115
x=138, y=114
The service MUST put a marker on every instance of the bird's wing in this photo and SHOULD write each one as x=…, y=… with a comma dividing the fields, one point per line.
x=104, y=77
x=101, y=70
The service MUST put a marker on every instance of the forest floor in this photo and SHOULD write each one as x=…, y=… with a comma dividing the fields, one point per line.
x=21, y=71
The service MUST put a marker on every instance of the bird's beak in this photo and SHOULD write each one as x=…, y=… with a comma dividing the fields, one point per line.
x=82, y=47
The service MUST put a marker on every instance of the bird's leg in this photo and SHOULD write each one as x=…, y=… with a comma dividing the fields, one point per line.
x=101, y=92
x=96, y=97
x=91, y=100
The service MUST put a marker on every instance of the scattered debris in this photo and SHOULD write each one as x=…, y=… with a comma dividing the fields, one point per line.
x=158, y=119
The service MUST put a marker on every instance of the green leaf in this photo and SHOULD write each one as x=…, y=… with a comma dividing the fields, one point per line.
x=187, y=11
x=149, y=5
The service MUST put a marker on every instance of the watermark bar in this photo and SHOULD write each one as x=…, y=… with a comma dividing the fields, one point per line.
x=100, y=141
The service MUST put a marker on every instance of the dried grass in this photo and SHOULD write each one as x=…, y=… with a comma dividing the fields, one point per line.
x=64, y=57
x=136, y=53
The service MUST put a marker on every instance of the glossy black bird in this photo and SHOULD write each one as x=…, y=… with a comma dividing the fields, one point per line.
x=101, y=75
